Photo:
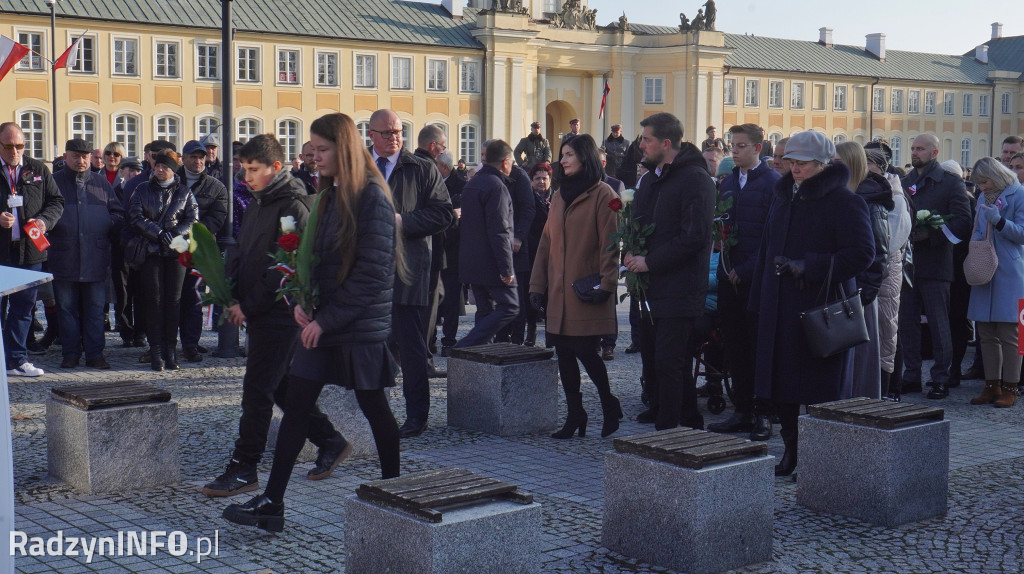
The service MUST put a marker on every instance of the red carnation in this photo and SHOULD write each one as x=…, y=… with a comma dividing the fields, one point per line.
x=288, y=242
x=615, y=204
x=185, y=259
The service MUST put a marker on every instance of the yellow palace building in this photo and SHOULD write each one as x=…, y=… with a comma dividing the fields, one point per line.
x=152, y=70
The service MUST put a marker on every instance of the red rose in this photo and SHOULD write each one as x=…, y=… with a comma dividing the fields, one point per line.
x=185, y=259
x=615, y=204
x=288, y=242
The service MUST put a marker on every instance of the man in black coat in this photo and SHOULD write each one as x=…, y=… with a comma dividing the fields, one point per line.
x=615, y=146
x=28, y=194
x=452, y=305
x=212, y=198
x=423, y=209
x=79, y=255
x=485, y=248
x=932, y=188
x=520, y=190
x=751, y=186
x=678, y=197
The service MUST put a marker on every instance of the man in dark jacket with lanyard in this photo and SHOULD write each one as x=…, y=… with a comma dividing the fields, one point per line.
x=932, y=188
x=212, y=198
x=751, y=186
x=423, y=209
x=79, y=255
x=485, y=248
x=678, y=197
x=273, y=331
x=27, y=194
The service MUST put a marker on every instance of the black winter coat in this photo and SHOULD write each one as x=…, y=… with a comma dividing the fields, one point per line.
x=626, y=172
x=823, y=220
x=421, y=198
x=681, y=204
x=520, y=189
x=42, y=201
x=616, y=150
x=80, y=242
x=485, y=248
x=249, y=263
x=148, y=204
x=942, y=193
x=747, y=217
x=455, y=186
x=212, y=199
x=356, y=309
x=875, y=191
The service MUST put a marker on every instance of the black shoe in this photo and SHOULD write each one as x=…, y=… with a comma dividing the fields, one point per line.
x=127, y=343
x=139, y=342
x=97, y=363
x=911, y=387
x=156, y=362
x=34, y=348
x=973, y=374
x=446, y=350
x=647, y=417
x=329, y=458
x=69, y=362
x=202, y=349
x=762, y=428
x=787, y=464
x=940, y=391
x=171, y=359
x=145, y=357
x=612, y=416
x=436, y=373
x=572, y=424
x=632, y=349
x=738, y=422
x=696, y=422
x=37, y=327
x=260, y=512
x=238, y=478
x=411, y=428
x=192, y=355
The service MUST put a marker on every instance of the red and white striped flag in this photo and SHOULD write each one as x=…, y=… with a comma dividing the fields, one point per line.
x=11, y=53
x=69, y=55
x=604, y=99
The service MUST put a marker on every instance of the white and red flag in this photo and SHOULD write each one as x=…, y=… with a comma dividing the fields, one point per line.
x=604, y=99
x=11, y=53
x=69, y=55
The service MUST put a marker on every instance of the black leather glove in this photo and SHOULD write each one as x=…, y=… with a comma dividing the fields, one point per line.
x=166, y=237
x=794, y=267
x=538, y=301
x=600, y=296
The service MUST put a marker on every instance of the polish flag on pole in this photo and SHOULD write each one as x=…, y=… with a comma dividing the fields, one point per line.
x=11, y=53
x=604, y=99
x=69, y=55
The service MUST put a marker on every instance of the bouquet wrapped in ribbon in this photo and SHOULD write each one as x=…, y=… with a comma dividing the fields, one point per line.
x=200, y=252
x=295, y=260
x=632, y=235
x=925, y=220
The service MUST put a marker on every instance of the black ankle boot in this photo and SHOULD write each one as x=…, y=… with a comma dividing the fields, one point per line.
x=577, y=418
x=156, y=361
x=787, y=464
x=260, y=512
x=170, y=358
x=612, y=415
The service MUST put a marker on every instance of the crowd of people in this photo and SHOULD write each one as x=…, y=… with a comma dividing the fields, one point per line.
x=735, y=247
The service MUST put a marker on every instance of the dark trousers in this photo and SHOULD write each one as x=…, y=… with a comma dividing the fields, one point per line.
x=123, y=320
x=18, y=321
x=932, y=297
x=668, y=378
x=407, y=334
x=266, y=384
x=161, y=284
x=960, y=327
x=435, y=296
x=295, y=428
x=450, y=308
x=80, y=317
x=739, y=336
x=136, y=302
x=191, y=312
x=515, y=331
x=496, y=307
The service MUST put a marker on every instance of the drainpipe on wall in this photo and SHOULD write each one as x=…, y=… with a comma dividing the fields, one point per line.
x=871, y=110
x=727, y=70
x=992, y=124
x=483, y=106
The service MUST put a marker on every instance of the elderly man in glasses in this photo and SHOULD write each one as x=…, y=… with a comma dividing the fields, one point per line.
x=28, y=195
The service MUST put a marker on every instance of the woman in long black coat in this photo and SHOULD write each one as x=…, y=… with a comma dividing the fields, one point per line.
x=814, y=221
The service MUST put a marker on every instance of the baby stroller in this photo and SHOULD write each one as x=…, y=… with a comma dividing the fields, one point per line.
x=709, y=363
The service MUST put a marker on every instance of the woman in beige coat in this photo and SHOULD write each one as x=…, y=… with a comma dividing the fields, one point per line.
x=574, y=248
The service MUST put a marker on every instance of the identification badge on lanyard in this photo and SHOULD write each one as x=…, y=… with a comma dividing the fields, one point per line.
x=15, y=201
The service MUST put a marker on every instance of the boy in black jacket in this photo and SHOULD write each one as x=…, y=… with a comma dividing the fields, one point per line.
x=273, y=332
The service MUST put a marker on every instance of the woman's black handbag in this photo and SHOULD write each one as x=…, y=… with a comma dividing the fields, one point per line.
x=837, y=326
x=586, y=288
x=135, y=251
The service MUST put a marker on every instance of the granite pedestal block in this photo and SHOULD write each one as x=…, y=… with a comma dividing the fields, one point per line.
x=493, y=537
x=885, y=477
x=341, y=407
x=114, y=449
x=691, y=520
x=504, y=400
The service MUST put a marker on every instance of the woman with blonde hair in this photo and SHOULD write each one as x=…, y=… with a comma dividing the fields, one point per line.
x=993, y=306
x=876, y=192
x=344, y=339
x=112, y=156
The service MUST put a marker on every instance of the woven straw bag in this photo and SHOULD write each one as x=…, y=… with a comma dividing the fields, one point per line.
x=981, y=262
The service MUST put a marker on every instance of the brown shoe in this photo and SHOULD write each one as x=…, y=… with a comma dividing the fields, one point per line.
x=608, y=353
x=988, y=395
x=1008, y=396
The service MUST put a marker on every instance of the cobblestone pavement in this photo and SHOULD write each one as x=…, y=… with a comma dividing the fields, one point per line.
x=982, y=531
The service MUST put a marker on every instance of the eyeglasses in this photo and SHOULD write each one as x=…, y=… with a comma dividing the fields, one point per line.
x=12, y=147
x=113, y=153
x=388, y=134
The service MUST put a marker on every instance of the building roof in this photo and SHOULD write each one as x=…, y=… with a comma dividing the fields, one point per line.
x=392, y=21
x=762, y=53
x=1005, y=53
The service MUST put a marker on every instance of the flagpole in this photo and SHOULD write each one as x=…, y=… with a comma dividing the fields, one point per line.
x=53, y=71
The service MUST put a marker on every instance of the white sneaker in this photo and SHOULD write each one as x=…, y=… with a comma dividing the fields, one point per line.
x=26, y=370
